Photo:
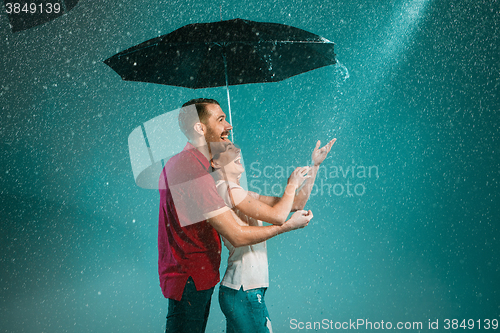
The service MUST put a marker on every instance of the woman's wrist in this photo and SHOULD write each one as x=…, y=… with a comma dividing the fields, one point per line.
x=291, y=188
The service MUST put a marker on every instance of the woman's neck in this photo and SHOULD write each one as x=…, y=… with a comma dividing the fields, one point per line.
x=233, y=178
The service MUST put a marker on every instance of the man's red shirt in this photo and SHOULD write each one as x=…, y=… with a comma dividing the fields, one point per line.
x=187, y=244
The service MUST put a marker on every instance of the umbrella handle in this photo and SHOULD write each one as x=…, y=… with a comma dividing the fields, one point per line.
x=228, y=97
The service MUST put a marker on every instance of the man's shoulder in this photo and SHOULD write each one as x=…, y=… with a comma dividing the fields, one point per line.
x=183, y=157
x=183, y=167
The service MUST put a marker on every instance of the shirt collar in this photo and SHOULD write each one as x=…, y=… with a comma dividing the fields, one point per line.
x=199, y=156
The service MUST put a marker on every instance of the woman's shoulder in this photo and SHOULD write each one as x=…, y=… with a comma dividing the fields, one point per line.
x=227, y=184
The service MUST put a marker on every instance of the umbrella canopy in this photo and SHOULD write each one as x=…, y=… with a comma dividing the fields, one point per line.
x=222, y=53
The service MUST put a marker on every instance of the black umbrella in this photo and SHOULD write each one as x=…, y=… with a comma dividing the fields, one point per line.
x=222, y=53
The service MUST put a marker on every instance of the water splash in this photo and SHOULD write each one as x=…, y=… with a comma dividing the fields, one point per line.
x=340, y=73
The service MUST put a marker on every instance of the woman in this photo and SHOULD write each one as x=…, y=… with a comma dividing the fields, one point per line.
x=242, y=290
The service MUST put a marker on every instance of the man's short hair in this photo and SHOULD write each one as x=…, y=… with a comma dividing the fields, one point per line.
x=188, y=119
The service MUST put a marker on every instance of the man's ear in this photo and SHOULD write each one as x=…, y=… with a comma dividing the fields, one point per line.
x=198, y=128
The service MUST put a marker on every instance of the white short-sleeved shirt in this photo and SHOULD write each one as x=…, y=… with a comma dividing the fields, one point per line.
x=246, y=265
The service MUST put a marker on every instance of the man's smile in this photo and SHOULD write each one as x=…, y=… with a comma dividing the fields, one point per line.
x=224, y=136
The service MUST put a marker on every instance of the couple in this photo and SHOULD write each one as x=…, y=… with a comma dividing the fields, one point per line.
x=193, y=215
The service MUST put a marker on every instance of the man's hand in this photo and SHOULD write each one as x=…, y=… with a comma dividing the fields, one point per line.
x=299, y=219
x=319, y=155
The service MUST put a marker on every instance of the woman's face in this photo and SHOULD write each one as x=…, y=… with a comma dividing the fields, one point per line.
x=230, y=160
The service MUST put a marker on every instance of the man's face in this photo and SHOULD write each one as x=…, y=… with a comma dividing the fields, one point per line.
x=217, y=128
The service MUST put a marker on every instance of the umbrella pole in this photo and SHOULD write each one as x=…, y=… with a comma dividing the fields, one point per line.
x=228, y=97
x=229, y=105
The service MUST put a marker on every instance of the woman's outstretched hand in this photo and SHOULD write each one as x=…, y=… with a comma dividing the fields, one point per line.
x=319, y=155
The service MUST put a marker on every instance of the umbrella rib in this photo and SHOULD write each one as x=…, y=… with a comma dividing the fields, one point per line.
x=136, y=50
x=208, y=50
x=231, y=42
x=321, y=55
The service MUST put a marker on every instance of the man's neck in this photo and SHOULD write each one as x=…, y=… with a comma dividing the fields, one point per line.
x=202, y=148
x=204, y=151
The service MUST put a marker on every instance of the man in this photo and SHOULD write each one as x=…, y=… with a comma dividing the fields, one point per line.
x=192, y=214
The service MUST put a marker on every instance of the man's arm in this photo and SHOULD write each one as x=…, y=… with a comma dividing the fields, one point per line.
x=276, y=213
x=241, y=235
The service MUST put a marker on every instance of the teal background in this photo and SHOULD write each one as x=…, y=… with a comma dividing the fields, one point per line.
x=417, y=96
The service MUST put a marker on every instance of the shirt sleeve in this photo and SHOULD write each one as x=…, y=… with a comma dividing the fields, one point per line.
x=196, y=200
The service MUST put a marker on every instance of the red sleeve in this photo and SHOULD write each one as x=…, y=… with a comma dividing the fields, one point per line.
x=196, y=199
